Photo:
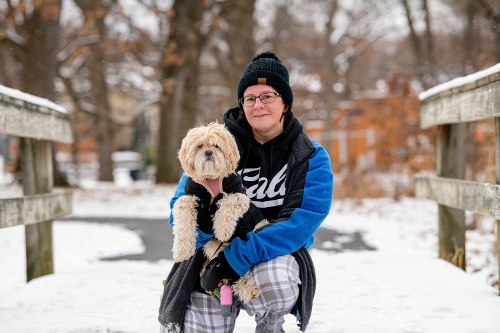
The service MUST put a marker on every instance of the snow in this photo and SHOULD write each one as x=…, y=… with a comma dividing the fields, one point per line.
x=14, y=93
x=400, y=287
x=459, y=81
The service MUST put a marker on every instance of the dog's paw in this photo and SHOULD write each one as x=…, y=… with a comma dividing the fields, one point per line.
x=246, y=289
x=230, y=209
x=213, y=248
x=261, y=224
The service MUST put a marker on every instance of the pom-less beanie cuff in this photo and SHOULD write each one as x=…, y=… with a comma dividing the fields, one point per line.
x=266, y=69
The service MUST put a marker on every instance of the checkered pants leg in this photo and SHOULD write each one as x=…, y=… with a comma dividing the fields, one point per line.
x=279, y=282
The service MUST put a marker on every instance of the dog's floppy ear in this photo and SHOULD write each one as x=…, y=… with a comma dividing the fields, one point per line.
x=230, y=151
x=184, y=152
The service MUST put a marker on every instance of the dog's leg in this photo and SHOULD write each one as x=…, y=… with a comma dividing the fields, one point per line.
x=246, y=289
x=184, y=230
x=230, y=209
x=261, y=224
x=212, y=248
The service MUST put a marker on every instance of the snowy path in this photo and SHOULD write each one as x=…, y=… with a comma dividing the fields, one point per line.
x=400, y=287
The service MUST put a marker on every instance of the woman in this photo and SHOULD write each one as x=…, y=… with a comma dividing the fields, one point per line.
x=288, y=177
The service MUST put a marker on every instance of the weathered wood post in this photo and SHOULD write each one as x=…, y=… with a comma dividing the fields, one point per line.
x=450, y=161
x=36, y=167
x=37, y=122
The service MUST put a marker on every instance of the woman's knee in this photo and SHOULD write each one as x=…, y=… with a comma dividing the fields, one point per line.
x=278, y=281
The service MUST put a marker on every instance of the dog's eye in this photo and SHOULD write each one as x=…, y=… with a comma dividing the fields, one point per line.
x=217, y=146
x=200, y=146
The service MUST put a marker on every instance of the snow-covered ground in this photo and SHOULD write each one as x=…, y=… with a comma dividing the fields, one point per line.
x=400, y=287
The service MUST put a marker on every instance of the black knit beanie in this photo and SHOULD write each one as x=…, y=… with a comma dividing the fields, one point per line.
x=266, y=69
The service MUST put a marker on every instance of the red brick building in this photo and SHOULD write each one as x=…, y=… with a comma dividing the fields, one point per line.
x=377, y=132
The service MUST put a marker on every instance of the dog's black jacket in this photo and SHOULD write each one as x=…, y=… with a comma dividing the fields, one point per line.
x=206, y=210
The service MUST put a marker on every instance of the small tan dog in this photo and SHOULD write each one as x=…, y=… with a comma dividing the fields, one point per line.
x=208, y=155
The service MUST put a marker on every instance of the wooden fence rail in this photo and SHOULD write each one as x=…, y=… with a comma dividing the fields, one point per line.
x=449, y=106
x=37, y=122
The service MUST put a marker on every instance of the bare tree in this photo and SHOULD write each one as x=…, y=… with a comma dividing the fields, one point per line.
x=95, y=13
x=480, y=37
x=240, y=40
x=469, y=37
x=415, y=38
x=331, y=76
x=31, y=37
x=491, y=10
x=101, y=68
x=179, y=73
x=423, y=45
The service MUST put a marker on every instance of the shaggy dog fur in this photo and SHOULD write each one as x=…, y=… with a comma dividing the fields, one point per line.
x=210, y=153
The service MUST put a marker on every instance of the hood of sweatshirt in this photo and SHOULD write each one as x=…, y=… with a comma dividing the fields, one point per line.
x=263, y=167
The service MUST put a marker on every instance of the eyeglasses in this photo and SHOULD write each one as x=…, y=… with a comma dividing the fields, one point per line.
x=265, y=98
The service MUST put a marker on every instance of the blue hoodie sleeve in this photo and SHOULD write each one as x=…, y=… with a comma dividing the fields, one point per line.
x=202, y=238
x=305, y=210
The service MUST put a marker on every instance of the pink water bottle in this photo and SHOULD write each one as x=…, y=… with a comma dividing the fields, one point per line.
x=226, y=300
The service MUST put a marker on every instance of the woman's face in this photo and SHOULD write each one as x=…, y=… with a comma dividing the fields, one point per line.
x=265, y=119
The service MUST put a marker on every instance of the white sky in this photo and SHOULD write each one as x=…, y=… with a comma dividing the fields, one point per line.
x=401, y=287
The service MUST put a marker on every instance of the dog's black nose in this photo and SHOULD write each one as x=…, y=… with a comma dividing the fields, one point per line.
x=208, y=153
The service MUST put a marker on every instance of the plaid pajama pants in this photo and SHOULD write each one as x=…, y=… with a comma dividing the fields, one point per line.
x=279, y=282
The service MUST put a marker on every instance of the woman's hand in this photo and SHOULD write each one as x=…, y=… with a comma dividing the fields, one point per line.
x=217, y=270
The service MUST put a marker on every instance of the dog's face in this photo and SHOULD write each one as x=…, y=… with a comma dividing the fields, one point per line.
x=209, y=152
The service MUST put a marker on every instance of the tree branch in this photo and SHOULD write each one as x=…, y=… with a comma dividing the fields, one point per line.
x=490, y=13
x=76, y=45
x=414, y=36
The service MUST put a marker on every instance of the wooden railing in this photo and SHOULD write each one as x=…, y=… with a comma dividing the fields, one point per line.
x=449, y=107
x=37, y=122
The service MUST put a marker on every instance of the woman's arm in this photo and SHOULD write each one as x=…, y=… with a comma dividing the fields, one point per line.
x=306, y=207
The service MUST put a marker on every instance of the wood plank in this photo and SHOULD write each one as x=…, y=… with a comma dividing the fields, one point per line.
x=25, y=119
x=36, y=208
x=36, y=165
x=481, y=198
x=472, y=101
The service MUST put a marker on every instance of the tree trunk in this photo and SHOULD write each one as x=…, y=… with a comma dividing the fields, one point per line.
x=180, y=68
x=40, y=66
x=241, y=41
x=95, y=13
x=330, y=97
x=414, y=37
x=469, y=40
x=494, y=18
x=424, y=58
x=428, y=35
